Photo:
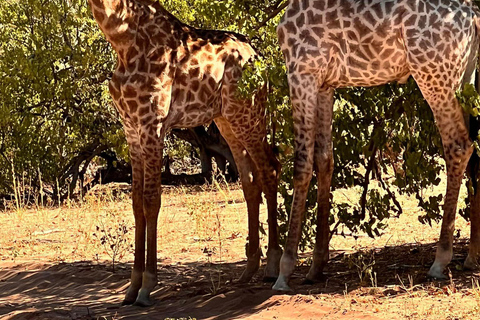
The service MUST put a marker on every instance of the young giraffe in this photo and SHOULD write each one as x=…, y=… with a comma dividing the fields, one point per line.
x=170, y=75
x=330, y=44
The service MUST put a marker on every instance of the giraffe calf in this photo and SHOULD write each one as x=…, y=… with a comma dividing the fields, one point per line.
x=170, y=75
x=330, y=44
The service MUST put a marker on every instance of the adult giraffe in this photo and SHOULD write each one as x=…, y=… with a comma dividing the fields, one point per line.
x=170, y=75
x=330, y=44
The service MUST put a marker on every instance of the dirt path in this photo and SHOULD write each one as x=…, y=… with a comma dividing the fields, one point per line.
x=52, y=266
x=83, y=291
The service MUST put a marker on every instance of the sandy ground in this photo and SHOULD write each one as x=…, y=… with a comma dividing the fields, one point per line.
x=53, y=266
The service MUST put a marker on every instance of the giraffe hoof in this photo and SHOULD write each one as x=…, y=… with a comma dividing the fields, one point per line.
x=282, y=288
x=143, y=299
x=144, y=303
x=436, y=275
x=281, y=285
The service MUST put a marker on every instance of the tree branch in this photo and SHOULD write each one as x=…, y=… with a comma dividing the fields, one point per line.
x=273, y=14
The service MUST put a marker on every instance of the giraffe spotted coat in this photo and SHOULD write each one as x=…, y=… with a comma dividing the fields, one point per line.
x=330, y=44
x=170, y=75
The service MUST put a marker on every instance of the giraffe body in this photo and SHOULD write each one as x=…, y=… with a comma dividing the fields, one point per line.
x=170, y=75
x=330, y=44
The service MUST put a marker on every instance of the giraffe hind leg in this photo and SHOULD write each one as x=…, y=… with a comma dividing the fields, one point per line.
x=268, y=171
x=323, y=162
x=253, y=196
x=303, y=92
x=246, y=121
x=457, y=149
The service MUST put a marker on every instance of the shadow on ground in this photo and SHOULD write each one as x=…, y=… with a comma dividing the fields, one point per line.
x=85, y=290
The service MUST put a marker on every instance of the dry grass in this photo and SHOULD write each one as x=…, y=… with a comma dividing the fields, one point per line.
x=209, y=224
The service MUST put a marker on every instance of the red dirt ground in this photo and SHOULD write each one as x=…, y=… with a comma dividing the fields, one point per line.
x=48, y=269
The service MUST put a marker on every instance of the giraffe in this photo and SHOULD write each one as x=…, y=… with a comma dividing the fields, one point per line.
x=328, y=44
x=170, y=75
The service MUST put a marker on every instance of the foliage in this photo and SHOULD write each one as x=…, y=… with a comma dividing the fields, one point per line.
x=53, y=104
x=111, y=232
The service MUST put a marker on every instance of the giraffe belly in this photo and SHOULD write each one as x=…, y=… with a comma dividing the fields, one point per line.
x=376, y=71
x=372, y=60
x=192, y=114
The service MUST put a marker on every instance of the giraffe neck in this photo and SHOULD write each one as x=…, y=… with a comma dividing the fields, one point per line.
x=121, y=21
x=117, y=19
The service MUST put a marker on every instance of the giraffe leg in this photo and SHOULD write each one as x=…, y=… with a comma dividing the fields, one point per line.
x=140, y=223
x=252, y=192
x=323, y=159
x=457, y=149
x=268, y=173
x=271, y=173
x=303, y=92
x=246, y=120
x=151, y=208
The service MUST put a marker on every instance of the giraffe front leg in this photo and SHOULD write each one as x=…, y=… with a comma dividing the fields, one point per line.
x=151, y=207
x=323, y=160
x=140, y=224
x=303, y=92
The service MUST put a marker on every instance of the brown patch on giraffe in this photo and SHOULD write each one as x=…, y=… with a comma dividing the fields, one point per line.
x=129, y=92
x=319, y=4
x=362, y=29
x=300, y=22
x=138, y=78
x=195, y=85
x=294, y=9
x=142, y=111
x=313, y=19
x=132, y=105
x=132, y=52
x=318, y=31
x=99, y=15
x=307, y=38
x=378, y=10
x=368, y=17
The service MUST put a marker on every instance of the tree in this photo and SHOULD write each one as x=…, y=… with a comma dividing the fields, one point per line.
x=55, y=112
